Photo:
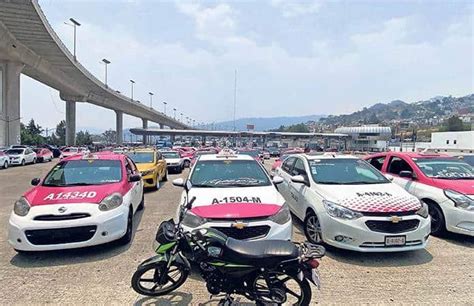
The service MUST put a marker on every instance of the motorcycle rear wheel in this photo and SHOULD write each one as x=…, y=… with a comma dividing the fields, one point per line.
x=151, y=275
x=297, y=292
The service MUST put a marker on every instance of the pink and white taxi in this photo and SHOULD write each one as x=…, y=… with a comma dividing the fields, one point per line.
x=346, y=203
x=234, y=194
x=445, y=183
x=84, y=200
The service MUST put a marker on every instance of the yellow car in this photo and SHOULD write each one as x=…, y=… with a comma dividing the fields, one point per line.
x=151, y=165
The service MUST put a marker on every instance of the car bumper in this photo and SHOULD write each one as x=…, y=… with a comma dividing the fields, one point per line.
x=458, y=220
x=27, y=234
x=275, y=231
x=174, y=168
x=355, y=235
x=15, y=161
x=149, y=180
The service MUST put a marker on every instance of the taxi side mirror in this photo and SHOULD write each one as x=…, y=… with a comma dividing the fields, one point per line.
x=299, y=179
x=407, y=174
x=179, y=182
x=277, y=180
x=35, y=181
x=134, y=178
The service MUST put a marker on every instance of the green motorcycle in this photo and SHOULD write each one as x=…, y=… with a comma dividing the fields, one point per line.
x=266, y=271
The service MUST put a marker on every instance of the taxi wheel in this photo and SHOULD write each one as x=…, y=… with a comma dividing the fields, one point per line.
x=165, y=178
x=438, y=223
x=22, y=162
x=5, y=165
x=129, y=233
x=186, y=164
x=34, y=160
x=312, y=228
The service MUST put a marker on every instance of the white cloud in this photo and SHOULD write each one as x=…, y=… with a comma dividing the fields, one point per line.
x=296, y=8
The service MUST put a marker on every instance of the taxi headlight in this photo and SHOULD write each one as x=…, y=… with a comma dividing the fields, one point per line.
x=460, y=200
x=423, y=211
x=282, y=216
x=112, y=201
x=340, y=212
x=21, y=207
x=148, y=172
x=193, y=221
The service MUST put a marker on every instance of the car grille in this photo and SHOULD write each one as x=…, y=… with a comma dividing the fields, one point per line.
x=61, y=235
x=393, y=228
x=385, y=214
x=61, y=217
x=373, y=245
x=250, y=232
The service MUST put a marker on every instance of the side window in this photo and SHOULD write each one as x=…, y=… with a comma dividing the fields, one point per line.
x=288, y=164
x=128, y=167
x=132, y=165
x=377, y=162
x=158, y=156
x=298, y=168
x=397, y=165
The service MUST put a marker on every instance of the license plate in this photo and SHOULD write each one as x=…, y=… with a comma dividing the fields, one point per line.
x=395, y=240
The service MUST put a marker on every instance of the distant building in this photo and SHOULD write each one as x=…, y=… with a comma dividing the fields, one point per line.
x=460, y=142
x=370, y=138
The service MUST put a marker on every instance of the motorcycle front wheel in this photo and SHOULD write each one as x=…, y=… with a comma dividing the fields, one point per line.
x=285, y=289
x=156, y=280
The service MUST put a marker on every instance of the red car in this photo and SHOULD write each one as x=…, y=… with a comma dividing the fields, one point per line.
x=445, y=183
x=187, y=154
x=43, y=155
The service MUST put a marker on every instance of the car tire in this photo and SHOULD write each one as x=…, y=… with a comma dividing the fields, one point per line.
x=142, y=203
x=5, y=165
x=23, y=162
x=165, y=178
x=438, y=222
x=127, y=237
x=34, y=161
x=312, y=228
x=186, y=164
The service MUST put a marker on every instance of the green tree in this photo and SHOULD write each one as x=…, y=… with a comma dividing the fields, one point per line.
x=31, y=134
x=455, y=124
x=83, y=138
x=110, y=136
x=59, y=137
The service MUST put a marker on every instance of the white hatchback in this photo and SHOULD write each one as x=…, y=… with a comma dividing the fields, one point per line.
x=234, y=194
x=347, y=203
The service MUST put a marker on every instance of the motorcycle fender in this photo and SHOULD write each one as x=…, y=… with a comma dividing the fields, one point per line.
x=164, y=258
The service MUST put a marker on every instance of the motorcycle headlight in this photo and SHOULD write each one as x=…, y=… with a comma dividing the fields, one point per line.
x=193, y=221
x=282, y=216
x=423, y=211
x=148, y=172
x=460, y=200
x=340, y=212
x=112, y=201
x=21, y=207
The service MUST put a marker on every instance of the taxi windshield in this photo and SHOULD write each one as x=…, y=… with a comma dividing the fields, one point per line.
x=84, y=172
x=15, y=151
x=142, y=157
x=228, y=173
x=170, y=154
x=445, y=168
x=344, y=172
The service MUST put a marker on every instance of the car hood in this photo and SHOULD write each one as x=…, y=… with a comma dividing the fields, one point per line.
x=145, y=166
x=235, y=203
x=462, y=186
x=370, y=197
x=44, y=195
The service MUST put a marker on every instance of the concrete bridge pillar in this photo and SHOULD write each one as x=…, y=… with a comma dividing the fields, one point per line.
x=162, y=126
x=70, y=123
x=10, y=103
x=145, y=126
x=119, y=126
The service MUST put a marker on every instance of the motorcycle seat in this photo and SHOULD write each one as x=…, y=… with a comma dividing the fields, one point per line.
x=260, y=253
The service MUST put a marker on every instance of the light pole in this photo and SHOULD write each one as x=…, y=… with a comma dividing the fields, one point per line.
x=151, y=99
x=131, y=83
x=74, y=25
x=106, y=62
x=174, y=110
x=164, y=104
x=182, y=117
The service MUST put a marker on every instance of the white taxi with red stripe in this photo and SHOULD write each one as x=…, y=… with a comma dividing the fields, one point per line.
x=83, y=201
x=347, y=203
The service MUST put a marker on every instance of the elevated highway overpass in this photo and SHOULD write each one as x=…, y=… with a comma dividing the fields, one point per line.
x=29, y=45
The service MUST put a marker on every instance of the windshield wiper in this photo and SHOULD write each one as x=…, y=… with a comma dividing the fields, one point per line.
x=204, y=185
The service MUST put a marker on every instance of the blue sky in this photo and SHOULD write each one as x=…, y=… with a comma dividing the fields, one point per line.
x=292, y=57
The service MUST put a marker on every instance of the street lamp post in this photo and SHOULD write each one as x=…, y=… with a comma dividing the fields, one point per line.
x=182, y=117
x=74, y=25
x=174, y=110
x=131, y=83
x=106, y=62
x=164, y=104
x=151, y=99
